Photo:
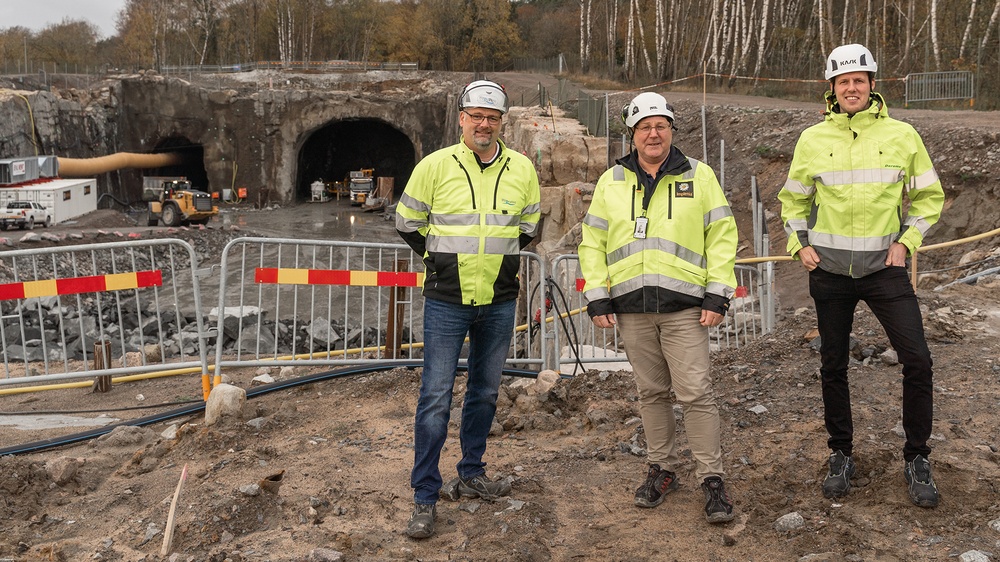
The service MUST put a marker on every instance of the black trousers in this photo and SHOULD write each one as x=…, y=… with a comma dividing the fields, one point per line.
x=890, y=297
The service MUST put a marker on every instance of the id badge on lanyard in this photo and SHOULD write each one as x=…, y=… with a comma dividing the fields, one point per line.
x=640, y=228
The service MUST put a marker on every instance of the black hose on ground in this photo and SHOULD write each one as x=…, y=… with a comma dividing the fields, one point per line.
x=54, y=442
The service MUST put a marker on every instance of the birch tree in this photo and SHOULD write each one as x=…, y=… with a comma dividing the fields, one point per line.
x=968, y=29
x=934, y=36
x=585, y=34
x=285, y=26
x=765, y=11
x=611, y=33
x=989, y=26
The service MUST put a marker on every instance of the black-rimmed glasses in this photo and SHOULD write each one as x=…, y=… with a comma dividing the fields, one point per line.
x=477, y=119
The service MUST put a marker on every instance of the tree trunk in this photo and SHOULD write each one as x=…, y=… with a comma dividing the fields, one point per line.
x=762, y=37
x=585, y=34
x=968, y=30
x=989, y=26
x=934, y=36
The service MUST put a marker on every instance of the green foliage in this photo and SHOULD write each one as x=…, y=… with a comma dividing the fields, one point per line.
x=768, y=152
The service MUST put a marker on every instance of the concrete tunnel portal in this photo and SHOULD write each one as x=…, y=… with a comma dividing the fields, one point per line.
x=331, y=152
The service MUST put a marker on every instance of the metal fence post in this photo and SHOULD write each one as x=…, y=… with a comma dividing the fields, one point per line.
x=394, y=327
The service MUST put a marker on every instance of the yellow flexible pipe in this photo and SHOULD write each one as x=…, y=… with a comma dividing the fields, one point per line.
x=89, y=167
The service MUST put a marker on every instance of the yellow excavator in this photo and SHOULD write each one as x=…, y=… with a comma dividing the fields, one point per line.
x=175, y=202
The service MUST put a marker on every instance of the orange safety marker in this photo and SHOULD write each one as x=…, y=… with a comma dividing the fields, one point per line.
x=289, y=276
x=78, y=285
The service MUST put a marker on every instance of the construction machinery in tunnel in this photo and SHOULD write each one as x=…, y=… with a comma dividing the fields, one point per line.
x=333, y=151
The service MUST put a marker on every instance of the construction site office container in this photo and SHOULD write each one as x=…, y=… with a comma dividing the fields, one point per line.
x=65, y=199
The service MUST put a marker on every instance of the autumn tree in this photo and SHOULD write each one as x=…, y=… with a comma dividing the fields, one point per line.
x=67, y=44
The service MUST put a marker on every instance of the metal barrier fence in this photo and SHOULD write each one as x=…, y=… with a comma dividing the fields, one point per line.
x=932, y=86
x=319, y=302
x=303, y=66
x=577, y=341
x=593, y=114
x=135, y=307
x=100, y=309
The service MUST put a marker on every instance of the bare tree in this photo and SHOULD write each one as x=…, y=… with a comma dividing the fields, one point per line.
x=285, y=26
x=934, y=35
x=762, y=36
x=968, y=29
x=586, y=30
x=202, y=19
x=989, y=26
x=611, y=33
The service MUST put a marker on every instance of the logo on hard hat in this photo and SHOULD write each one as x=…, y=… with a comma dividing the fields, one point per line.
x=635, y=109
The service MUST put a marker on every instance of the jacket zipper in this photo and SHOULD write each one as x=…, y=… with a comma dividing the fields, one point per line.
x=670, y=203
x=496, y=188
x=468, y=178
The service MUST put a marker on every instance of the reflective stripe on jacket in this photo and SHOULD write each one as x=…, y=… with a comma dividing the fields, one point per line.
x=469, y=224
x=688, y=255
x=844, y=193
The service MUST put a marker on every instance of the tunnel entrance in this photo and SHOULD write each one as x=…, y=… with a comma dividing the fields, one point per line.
x=333, y=151
x=192, y=164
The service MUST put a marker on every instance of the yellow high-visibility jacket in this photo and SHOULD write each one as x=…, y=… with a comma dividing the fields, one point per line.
x=470, y=223
x=844, y=193
x=688, y=256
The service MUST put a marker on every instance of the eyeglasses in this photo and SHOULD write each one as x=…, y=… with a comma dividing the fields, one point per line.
x=477, y=119
x=647, y=128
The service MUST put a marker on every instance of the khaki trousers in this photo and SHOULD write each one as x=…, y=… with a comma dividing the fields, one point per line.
x=669, y=351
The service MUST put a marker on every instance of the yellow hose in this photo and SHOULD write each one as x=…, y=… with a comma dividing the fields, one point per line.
x=89, y=167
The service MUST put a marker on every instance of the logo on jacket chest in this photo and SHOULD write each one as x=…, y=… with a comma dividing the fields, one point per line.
x=684, y=189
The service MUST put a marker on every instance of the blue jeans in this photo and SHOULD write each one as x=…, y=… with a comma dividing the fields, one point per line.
x=489, y=328
x=890, y=297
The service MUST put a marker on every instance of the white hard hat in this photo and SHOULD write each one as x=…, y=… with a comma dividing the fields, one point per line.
x=645, y=105
x=849, y=58
x=485, y=94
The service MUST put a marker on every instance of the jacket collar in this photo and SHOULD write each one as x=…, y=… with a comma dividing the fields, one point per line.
x=466, y=153
x=877, y=109
x=675, y=164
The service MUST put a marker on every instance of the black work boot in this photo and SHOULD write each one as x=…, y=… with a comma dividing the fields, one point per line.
x=718, y=507
x=421, y=524
x=838, y=480
x=920, y=482
x=658, y=484
x=484, y=488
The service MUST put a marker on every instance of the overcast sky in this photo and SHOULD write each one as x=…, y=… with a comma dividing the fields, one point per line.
x=38, y=14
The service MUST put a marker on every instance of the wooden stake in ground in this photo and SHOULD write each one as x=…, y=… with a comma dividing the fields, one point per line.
x=168, y=533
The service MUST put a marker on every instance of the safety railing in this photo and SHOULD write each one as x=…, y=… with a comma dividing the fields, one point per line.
x=301, y=66
x=319, y=302
x=578, y=342
x=135, y=308
x=106, y=309
x=933, y=86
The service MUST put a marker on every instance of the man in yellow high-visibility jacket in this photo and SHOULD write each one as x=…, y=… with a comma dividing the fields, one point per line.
x=657, y=257
x=842, y=207
x=467, y=211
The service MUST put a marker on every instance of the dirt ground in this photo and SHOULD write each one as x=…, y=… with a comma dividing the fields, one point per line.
x=342, y=448
x=315, y=469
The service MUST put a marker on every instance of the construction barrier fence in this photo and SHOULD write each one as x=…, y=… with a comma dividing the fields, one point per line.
x=135, y=307
x=299, y=302
x=100, y=310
